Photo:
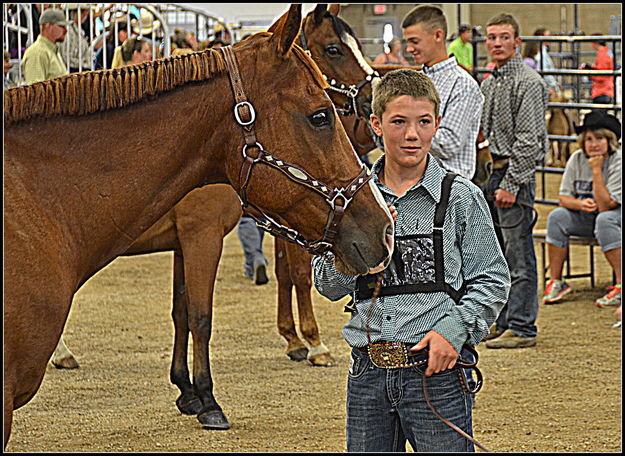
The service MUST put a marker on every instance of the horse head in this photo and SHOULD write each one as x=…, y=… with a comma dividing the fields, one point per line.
x=299, y=175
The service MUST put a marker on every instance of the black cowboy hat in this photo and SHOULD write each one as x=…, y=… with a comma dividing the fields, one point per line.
x=598, y=119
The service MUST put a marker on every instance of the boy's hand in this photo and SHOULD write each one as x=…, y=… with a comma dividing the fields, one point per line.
x=393, y=211
x=504, y=198
x=442, y=355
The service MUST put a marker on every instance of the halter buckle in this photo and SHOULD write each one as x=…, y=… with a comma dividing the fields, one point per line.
x=252, y=113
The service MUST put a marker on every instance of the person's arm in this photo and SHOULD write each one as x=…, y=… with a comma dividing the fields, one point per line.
x=527, y=145
x=34, y=68
x=485, y=272
x=328, y=281
x=464, y=104
x=599, y=189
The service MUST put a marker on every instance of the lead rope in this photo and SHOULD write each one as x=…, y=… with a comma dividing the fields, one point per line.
x=461, y=363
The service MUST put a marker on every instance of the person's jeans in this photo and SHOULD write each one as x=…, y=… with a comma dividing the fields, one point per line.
x=251, y=237
x=386, y=408
x=520, y=312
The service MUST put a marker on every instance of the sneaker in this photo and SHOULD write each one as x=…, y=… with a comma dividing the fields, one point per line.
x=612, y=299
x=555, y=290
x=509, y=340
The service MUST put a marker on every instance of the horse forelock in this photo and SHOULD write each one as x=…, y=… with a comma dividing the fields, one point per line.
x=80, y=94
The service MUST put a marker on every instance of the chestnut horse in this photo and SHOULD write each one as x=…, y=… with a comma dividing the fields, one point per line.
x=198, y=223
x=91, y=162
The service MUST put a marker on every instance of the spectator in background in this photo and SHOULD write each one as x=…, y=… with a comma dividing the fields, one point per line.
x=136, y=50
x=35, y=11
x=251, y=237
x=544, y=62
x=80, y=54
x=530, y=51
x=590, y=204
x=121, y=25
x=41, y=60
x=394, y=56
x=513, y=120
x=462, y=49
x=602, y=86
x=425, y=31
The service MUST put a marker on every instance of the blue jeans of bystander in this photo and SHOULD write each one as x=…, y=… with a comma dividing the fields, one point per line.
x=520, y=312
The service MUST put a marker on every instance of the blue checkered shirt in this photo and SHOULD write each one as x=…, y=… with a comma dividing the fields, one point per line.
x=461, y=106
x=471, y=254
x=513, y=120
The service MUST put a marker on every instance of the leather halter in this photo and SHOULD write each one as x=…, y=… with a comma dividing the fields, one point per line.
x=337, y=198
x=349, y=90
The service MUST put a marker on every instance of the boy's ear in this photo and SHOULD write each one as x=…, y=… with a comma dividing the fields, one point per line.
x=376, y=124
x=438, y=123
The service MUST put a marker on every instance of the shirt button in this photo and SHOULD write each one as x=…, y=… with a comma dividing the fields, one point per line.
x=388, y=318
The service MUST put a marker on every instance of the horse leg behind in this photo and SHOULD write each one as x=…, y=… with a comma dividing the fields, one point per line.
x=295, y=349
x=300, y=270
x=63, y=358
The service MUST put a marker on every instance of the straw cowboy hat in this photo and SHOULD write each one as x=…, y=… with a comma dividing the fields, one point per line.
x=146, y=24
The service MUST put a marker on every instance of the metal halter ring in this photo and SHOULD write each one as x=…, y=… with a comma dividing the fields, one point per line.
x=252, y=112
x=257, y=144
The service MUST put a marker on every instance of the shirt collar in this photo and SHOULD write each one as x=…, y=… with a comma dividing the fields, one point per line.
x=46, y=42
x=431, y=179
x=509, y=68
x=440, y=66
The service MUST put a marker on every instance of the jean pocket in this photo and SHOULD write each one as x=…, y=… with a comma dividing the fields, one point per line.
x=358, y=365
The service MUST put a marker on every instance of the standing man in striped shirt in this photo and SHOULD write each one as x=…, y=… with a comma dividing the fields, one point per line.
x=425, y=31
x=513, y=120
x=445, y=286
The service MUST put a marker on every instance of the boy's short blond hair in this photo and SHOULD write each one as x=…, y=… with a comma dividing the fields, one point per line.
x=400, y=82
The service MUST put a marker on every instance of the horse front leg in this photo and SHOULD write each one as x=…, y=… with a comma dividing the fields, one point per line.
x=188, y=402
x=202, y=251
x=295, y=349
x=300, y=270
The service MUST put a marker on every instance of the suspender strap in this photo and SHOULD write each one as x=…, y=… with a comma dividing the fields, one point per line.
x=439, y=221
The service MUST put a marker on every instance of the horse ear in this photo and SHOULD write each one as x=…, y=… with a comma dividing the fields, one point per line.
x=335, y=8
x=320, y=11
x=287, y=28
x=275, y=25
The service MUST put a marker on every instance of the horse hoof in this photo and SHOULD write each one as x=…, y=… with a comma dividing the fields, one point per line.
x=298, y=354
x=66, y=363
x=189, y=404
x=322, y=360
x=213, y=419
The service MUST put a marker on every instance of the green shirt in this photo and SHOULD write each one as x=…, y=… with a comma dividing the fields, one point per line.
x=42, y=61
x=462, y=52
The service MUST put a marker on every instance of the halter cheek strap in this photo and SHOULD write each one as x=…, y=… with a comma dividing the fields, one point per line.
x=337, y=198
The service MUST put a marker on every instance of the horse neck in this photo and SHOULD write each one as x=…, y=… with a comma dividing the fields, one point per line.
x=113, y=174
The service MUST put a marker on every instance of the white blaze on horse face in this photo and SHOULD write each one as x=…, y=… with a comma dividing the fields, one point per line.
x=352, y=44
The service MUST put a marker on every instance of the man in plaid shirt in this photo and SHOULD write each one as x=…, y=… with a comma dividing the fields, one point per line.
x=425, y=30
x=513, y=120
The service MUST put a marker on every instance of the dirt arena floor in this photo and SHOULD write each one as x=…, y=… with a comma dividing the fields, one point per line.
x=564, y=395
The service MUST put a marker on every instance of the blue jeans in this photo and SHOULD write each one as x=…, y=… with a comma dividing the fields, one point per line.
x=251, y=237
x=386, y=408
x=520, y=312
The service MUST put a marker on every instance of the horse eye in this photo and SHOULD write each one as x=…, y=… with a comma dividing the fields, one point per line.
x=332, y=50
x=320, y=119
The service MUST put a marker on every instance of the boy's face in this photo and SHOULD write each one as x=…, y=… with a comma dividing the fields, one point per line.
x=408, y=126
x=501, y=43
x=421, y=43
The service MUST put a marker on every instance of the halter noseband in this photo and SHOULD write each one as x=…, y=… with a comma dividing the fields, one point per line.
x=337, y=198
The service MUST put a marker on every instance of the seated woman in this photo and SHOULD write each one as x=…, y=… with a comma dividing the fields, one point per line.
x=590, y=204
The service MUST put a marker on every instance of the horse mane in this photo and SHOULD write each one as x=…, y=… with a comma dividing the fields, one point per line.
x=79, y=94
